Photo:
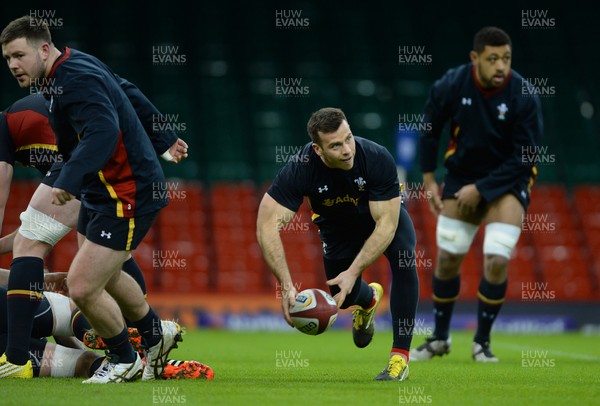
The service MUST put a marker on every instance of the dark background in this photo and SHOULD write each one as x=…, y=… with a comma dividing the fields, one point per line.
x=224, y=94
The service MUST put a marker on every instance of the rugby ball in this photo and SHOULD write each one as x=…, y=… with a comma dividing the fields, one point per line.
x=314, y=312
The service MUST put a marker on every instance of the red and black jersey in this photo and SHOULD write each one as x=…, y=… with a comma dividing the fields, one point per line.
x=110, y=160
x=26, y=136
x=493, y=132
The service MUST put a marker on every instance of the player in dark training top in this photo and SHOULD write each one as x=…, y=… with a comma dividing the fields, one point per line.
x=353, y=190
x=110, y=162
x=495, y=127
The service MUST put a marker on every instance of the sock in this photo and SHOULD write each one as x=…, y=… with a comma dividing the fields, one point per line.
x=25, y=287
x=95, y=365
x=366, y=296
x=79, y=324
x=120, y=346
x=150, y=328
x=131, y=268
x=490, y=298
x=400, y=351
x=43, y=321
x=445, y=293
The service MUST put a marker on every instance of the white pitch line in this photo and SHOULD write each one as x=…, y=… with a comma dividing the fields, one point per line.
x=572, y=355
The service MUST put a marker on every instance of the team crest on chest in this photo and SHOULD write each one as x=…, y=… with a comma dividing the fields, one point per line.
x=502, y=110
x=360, y=182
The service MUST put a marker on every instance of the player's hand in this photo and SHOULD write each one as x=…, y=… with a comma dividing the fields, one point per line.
x=60, y=197
x=178, y=151
x=468, y=198
x=433, y=198
x=345, y=281
x=56, y=282
x=288, y=300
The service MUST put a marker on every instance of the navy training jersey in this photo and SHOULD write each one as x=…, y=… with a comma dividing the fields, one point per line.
x=109, y=158
x=26, y=136
x=339, y=199
x=493, y=133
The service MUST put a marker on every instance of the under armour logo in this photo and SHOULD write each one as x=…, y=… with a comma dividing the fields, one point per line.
x=48, y=173
x=105, y=234
x=466, y=100
x=323, y=189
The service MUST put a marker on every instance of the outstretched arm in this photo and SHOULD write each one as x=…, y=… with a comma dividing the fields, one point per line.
x=272, y=216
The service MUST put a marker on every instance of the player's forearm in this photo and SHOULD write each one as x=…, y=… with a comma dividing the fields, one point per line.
x=272, y=249
x=374, y=246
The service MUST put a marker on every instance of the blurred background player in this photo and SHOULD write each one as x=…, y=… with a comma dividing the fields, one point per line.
x=353, y=189
x=488, y=179
x=58, y=317
x=110, y=184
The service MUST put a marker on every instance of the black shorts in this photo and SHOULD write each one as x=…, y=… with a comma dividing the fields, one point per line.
x=52, y=175
x=346, y=245
x=453, y=183
x=117, y=233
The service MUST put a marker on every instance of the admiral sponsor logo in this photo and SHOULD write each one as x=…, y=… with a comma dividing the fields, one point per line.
x=341, y=200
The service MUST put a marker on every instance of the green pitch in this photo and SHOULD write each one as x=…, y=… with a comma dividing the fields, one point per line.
x=292, y=368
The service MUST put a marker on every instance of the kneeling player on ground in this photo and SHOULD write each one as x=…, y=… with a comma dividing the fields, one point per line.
x=58, y=317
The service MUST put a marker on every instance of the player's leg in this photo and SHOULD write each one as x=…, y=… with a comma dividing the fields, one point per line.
x=7, y=242
x=365, y=297
x=93, y=266
x=454, y=234
x=159, y=336
x=503, y=228
x=42, y=225
x=59, y=361
x=404, y=296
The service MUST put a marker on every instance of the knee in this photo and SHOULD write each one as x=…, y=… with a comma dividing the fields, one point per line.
x=495, y=268
x=80, y=292
x=448, y=265
x=23, y=246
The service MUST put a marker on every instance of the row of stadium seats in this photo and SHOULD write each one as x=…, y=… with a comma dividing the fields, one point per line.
x=205, y=241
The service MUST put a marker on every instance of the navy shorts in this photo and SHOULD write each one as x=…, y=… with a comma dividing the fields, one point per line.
x=52, y=175
x=453, y=184
x=347, y=244
x=117, y=233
